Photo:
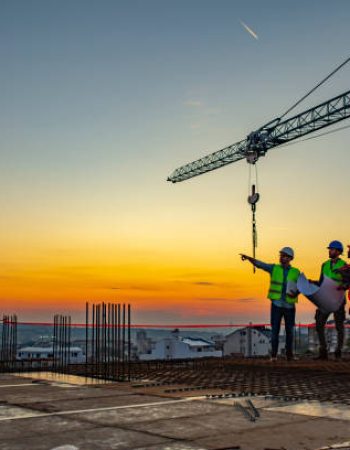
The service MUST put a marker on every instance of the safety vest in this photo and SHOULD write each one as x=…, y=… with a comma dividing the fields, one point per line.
x=328, y=270
x=276, y=282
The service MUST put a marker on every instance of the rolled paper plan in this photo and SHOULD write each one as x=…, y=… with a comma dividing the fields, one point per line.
x=327, y=297
x=291, y=287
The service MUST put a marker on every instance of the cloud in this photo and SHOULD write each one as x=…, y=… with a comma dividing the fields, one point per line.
x=133, y=287
x=249, y=30
x=246, y=300
x=225, y=299
x=204, y=283
x=215, y=299
x=193, y=103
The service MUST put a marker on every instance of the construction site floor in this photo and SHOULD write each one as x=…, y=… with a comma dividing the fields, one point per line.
x=49, y=411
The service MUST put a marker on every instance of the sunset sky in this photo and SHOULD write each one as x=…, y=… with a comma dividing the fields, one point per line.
x=102, y=100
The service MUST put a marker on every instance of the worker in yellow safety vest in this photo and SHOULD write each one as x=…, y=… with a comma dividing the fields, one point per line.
x=283, y=295
x=330, y=269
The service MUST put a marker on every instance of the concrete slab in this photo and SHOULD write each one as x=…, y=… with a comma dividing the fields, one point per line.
x=193, y=428
x=316, y=409
x=11, y=379
x=46, y=393
x=86, y=439
x=152, y=413
x=38, y=426
x=303, y=434
x=173, y=446
x=94, y=402
x=120, y=417
x=15, y=411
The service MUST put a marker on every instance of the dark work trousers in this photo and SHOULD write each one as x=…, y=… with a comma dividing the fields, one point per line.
x=277, y=314
x=321, y=320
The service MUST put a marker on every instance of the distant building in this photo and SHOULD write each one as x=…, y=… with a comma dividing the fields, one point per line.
x=39, y=353
x=248, y=342
x=176, y=347
x=144, y=344
x=219, y=340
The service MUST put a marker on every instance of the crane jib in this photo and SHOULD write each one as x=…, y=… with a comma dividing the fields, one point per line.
x=259, y=142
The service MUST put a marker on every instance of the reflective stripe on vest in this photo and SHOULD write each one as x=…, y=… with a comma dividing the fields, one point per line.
x=328, y=270
x=276, y=282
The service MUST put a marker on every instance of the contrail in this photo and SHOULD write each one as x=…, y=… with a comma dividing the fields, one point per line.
x=250, y=31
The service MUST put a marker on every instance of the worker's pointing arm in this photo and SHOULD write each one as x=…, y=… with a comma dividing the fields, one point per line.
x=248, y=258
x=259, y=264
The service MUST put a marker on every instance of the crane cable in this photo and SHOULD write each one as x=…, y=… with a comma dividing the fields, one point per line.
x=253, y=198
x=315, y=137
x=314, y=88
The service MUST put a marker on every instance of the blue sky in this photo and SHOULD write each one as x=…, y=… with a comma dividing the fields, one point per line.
x=102, y=100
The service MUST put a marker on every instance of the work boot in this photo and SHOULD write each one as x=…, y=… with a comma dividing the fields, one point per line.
x=337, y=354
x=323, y=356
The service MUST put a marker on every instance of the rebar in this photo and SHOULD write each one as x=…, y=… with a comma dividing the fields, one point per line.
x=61, y=342
x=109, y=353
x=8, y=351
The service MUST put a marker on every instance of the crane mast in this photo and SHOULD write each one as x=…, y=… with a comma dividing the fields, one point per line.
x=271, y=135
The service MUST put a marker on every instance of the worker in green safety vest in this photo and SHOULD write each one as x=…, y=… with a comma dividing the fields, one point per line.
x=330, y=269
x=283, y=295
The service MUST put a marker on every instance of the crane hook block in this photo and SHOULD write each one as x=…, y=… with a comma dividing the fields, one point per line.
x=254, y=197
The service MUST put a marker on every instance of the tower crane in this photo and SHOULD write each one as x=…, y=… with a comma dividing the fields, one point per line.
x=271, y=135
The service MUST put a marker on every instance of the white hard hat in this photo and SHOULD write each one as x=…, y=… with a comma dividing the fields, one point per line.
x=287, y=251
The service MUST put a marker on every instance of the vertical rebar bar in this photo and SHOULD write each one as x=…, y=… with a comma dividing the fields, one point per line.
x=104, y=329
x=129, y=341
x=98, y=330
x=93, y=337
x=123, y=343
x=69, y=338
x=118, y=341
x=109, y=340
x=86, y=333
x=53, y=342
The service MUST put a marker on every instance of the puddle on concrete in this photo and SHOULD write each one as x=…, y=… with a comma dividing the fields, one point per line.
x=340, y=446
x=63, y=380
x=303, y=407
x=315, y=409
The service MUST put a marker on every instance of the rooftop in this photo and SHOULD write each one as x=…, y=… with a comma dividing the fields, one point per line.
x=181, y=406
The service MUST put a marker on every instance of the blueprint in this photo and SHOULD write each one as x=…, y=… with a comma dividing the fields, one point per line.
x=326, y=297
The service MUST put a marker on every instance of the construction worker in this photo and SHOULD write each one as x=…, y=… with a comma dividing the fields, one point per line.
x=330, y=268
x=283, y=299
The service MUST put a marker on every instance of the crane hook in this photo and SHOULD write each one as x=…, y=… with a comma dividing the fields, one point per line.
x=253, y=199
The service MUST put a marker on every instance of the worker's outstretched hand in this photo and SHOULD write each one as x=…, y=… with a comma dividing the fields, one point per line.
x=243, y=257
